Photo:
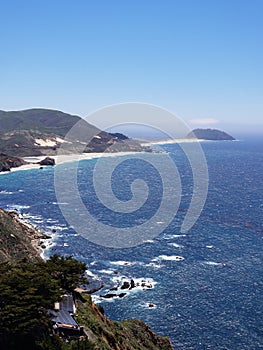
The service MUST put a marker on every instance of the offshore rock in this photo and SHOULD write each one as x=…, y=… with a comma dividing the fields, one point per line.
x=47, y=161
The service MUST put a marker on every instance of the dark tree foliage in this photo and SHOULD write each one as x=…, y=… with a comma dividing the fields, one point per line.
x=27, y=291
x=67, y=271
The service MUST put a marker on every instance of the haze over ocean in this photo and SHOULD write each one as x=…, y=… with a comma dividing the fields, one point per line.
x=210, y=299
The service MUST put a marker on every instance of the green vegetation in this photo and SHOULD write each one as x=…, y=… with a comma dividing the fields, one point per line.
x=107, y=334
x=20, y=130
x=42, y=120
x=27, y=291
x=29, y=288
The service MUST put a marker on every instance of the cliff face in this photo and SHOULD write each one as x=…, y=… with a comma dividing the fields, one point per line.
x=7, y=162
x=126, y=335
x=17, y=240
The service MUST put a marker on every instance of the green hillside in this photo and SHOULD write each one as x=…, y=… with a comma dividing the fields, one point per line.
x=37, y=132
x=43, y=120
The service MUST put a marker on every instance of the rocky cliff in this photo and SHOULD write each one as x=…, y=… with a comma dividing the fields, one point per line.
x=18, y=241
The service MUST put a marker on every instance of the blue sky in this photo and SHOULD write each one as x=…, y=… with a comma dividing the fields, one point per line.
x=200, y=59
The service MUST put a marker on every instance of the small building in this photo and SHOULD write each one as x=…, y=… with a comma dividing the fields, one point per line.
x=63, y=320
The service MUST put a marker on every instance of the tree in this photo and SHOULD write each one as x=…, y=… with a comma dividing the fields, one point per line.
x=27, y=291
x=69, y=272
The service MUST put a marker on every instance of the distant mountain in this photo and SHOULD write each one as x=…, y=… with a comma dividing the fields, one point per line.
x=36, y=132
x=210, y=134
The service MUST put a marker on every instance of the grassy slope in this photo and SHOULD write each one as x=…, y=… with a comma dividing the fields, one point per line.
x=43, y=120
x=126, y=335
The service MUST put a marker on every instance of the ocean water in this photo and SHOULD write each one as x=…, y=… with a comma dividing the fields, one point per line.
x=204, y=288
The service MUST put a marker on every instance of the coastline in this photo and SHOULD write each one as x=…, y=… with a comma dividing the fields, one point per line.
x=61, y=159
x=172, y=141
x=67, y=158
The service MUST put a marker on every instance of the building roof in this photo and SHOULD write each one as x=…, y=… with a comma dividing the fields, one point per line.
x=67, y=303
x=64, y=318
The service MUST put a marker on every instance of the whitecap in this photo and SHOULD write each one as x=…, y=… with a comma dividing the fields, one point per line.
x=92, y=275
x=140, y=283
x=149, y=241
x=154, y=265
x=176, y=245
x=169, y=258
x=97, y=299
x=122, y=263
x=212, y=263
x=60, y=203
x=107, y=272
x=18, y=207
x=174, y=236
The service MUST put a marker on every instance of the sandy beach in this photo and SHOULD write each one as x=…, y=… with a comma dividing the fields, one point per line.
x=61, y=159
x=166, y=142
x=67, y=158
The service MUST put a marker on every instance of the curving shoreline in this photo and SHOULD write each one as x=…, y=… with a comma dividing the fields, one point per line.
x=33, y=161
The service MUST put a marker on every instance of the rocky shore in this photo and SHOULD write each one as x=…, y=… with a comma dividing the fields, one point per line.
x=18, y=238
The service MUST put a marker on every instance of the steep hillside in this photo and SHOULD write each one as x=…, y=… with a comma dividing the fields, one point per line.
x=21, y=241
x=43, y=120
x=106, y=334
x=17, y=240
x=36, y=132
x=7, y=162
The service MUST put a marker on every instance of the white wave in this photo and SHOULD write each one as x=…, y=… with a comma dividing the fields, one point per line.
x=176, y=245
x=107, y=272
x=97, y=299
x=174, y=236
x=149, y=241
x=212, y=263
x=154, y=265
x=60, y=203
x=140, y=283
x=51, y=220
x=91, y=274
x=18, y=207
x=6, y=192
x=169, y=258
x=122, y=263
x=34, y=217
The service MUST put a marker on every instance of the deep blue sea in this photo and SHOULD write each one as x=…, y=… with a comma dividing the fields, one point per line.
x=211, y=298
